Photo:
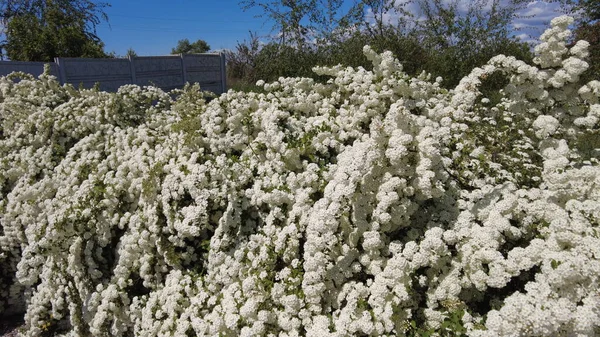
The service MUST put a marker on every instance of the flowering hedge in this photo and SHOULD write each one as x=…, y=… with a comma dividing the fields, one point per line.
x=374, y=204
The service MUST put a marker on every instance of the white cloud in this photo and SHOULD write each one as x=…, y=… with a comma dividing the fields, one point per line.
x=527, y=38
x=538, y=13
x=393, y=16
x=531, y=20
x=534, y=19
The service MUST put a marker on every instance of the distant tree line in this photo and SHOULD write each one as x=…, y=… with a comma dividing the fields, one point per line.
x=444, y=38
x=186, y=47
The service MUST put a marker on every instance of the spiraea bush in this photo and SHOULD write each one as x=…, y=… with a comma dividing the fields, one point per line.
x=375, y=204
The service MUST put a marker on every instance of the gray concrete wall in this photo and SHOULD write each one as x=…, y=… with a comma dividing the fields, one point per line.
x=109, y=73
x=160, y=71
x=34, y=68
x=165, y=72
x=206, y=71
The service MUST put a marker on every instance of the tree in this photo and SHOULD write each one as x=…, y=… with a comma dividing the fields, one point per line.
x=297, y=21
x=287, y=17
x=329, y=21
x=459, y=36
x=444, y=37
x=91, y=12
x=131, y=53
x=378, y=23
x=593, y=9
x=584, y=11
x=241, y=63
x=39, y=30
x=185, y=47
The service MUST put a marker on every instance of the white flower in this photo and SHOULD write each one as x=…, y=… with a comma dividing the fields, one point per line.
x=319, y=209
x=580, y=49
x=545, y=126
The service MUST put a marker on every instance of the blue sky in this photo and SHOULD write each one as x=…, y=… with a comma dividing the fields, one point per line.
x=153, y=27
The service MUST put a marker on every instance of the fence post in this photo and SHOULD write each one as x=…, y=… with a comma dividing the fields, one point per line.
x=223, y=73
x=183, y=70
x=132, y=67
x=62, y=72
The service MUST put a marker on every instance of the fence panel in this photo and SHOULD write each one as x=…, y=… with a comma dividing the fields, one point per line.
x=165, y=72
x=205, y=70
x=33, y=68
x=109, y=73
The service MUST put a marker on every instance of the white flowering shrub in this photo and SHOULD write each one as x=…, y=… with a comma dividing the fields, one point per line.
x=375, y=204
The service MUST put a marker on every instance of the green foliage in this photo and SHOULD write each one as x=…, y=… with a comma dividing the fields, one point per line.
x=451, y=326
x=591, y=33
x=274, y=60
x=43, y=30
x=591, y=8
x=587, y=11
x=588, y=144
x=131, y=53
x=241, y=64
x=447, y=43
x=186, y=47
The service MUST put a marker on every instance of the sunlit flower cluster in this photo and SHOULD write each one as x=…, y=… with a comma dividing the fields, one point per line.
x=372, y=204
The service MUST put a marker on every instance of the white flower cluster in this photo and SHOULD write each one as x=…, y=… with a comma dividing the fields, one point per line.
x=373, y=204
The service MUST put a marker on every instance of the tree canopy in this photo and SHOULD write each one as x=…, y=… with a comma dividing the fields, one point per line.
x=296, y=21
x=131, y=53
x=40, y=30
x=585, y=11
x=186, y=47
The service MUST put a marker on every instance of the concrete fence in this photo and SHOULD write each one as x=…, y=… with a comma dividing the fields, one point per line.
x=165, y=72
